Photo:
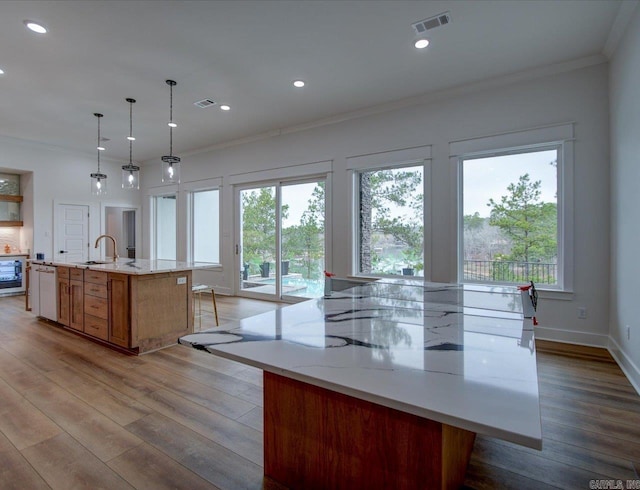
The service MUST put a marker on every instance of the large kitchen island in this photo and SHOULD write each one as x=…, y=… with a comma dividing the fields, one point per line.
x=386, y=385
x=132, y=305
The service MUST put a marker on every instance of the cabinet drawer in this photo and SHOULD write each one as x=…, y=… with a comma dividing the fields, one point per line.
x=76, y=274
x=93, y=289
x=97, y=327
x=95, y=277
x=96, y=307
x=63, y=272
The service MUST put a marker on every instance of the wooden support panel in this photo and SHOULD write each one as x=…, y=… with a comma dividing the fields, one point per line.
x=315, y=438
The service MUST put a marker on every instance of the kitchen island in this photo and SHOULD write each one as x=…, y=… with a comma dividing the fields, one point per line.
x=132, y=305
x=385, y=385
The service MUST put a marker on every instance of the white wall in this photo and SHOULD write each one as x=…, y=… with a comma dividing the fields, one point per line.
x=61, y=175
x=625, y=182
x=579, y=96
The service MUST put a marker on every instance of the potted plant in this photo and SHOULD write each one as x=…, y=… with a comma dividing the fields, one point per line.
x=413, y=258
x=264, y=269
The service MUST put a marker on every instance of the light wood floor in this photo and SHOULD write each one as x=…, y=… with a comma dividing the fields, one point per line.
x=76, y=415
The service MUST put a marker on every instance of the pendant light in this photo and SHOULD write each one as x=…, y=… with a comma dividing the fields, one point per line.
x=98, y=179
x=171, y=163
x=131, y=172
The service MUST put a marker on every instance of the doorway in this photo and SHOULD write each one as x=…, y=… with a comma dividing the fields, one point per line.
x=121, y=223
x=281, y=240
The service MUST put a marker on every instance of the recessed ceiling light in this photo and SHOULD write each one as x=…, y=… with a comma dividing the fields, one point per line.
x=298, y=83
x=421, y=43
x=171, y=124
x=225, y=107
x=1, y=71
x=35, y=27
x=131, y=138
x=100, y=148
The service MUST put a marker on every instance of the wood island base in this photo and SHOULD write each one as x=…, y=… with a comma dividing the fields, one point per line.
x=316, y=438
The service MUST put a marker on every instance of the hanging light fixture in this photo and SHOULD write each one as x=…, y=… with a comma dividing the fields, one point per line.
x=131, y=172
x=171, y=163
x=98, y=179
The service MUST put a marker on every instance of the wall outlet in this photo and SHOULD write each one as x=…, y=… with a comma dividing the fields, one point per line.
x=582, y=312
x=628, y=327
x=182, y=280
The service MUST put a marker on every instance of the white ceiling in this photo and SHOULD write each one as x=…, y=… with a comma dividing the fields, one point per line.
x=353, y=55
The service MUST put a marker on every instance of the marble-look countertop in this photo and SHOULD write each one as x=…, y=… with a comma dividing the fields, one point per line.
x=132, y=266
x=460, y=355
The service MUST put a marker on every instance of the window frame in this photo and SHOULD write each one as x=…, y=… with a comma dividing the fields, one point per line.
x=560, y=137
x=191, y=189
x=153, y=221
x=410, y=157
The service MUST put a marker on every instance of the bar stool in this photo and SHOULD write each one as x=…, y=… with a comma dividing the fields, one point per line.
x=197, y=290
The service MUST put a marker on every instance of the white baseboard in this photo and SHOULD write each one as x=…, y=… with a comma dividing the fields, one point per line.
x=572, y=337
x=629, y=368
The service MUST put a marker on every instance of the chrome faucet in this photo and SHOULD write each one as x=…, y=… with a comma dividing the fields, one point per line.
x=115, y=246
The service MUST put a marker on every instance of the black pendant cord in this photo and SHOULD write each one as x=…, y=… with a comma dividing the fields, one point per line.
x=131, y=102
x=98, y=144
x=99, y=116
x=171, y=116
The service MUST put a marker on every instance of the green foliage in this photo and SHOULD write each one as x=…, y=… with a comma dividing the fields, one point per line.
x=529, y=223
x=473, y=222
x=392, y=189
x=302, y=244
x=259, y=225
x=305, y=242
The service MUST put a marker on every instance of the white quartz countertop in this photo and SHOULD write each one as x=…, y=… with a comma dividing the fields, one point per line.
x=456, y=354
x=132, y=266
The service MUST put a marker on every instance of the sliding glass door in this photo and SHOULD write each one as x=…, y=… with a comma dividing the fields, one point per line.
x=281, y=242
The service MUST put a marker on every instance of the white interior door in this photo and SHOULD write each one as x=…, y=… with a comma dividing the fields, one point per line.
x=72, y=232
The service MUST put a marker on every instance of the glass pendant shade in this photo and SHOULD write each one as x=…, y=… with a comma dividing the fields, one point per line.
x=98, y=179
x=131, y=172
x=131, y=177
x=171, y=169
x=98, y=184
x=170, y=162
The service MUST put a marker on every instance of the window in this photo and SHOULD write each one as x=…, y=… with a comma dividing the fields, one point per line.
x=390, y=220
x=510, y=217
x=521, y=185
x=164, y=227
x=205, y=225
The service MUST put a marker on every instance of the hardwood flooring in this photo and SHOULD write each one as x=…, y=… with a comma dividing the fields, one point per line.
x=76, y=415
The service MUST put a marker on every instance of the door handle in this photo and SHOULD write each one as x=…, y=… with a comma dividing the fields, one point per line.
x=64, y=251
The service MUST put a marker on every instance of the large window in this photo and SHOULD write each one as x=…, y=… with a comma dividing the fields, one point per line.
x=164, y=227
x=205, y=225
x=391, y=220
x=509, y=222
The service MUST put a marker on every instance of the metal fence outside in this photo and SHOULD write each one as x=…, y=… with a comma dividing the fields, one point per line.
x=508, y=271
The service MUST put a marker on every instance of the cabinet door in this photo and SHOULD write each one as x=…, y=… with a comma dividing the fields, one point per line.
x=76, y=319
x=119, y=325
x=63, y=301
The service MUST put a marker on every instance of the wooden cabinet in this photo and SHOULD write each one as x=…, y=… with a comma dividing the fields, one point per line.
x=76, y=300
x=136, y=312
x=64, y=296
x=70, y=298
x=119, y=317
x=96, y=308
x=10, y=212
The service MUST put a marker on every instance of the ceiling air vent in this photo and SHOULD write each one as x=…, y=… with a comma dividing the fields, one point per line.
x=431, y=23
x=204, y=103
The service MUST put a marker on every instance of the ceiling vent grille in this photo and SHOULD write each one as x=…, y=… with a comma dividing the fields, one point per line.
x=204, y=103
x=431, y=23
